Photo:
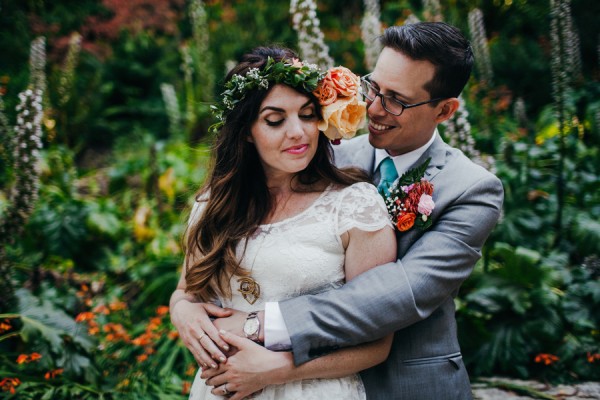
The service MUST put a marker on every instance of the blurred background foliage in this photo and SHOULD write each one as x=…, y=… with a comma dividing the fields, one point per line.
x=125, y=147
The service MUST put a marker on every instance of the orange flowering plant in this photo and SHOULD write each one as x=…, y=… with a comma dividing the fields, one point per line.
x=410, y=202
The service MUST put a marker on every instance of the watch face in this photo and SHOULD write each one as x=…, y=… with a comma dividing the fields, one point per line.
x=251, y=326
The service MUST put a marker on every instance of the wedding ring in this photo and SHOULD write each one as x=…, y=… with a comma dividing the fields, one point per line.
x=201, y=336
x=225, y=391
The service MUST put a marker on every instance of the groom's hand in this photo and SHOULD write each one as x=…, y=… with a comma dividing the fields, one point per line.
x=249, y=370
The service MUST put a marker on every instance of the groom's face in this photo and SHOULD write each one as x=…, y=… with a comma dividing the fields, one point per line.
x=404, y=79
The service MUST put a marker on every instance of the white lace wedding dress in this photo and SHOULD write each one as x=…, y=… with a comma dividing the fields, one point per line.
x=299, y=255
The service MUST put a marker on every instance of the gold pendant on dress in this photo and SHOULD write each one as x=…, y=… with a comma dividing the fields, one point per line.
x=250, y=289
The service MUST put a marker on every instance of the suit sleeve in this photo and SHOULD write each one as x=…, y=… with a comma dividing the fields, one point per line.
x=395, y=295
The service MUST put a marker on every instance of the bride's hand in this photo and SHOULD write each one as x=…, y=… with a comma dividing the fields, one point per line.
x=233, y=323
x=249, y=370
x=197, y=331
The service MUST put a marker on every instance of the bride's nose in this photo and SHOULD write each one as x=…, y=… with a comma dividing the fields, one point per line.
x=295, y=128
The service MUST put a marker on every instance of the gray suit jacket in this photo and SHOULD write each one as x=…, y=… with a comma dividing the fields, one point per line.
x=413, y=297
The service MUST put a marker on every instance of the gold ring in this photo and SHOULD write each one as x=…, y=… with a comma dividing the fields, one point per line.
x=201, y=336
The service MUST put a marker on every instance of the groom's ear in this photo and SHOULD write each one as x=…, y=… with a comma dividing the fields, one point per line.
x=447, y=109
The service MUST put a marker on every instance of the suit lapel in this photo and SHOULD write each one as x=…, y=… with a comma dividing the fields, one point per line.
x=437, y=152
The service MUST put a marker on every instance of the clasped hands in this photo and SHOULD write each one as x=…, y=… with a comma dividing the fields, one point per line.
x=232, y=364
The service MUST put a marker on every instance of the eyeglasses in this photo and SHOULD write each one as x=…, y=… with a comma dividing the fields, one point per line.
x=389, y=103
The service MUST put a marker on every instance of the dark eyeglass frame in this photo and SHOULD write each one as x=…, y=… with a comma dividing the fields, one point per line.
x=367, y=80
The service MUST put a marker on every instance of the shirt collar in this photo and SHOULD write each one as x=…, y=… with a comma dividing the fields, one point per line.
x=403, y=161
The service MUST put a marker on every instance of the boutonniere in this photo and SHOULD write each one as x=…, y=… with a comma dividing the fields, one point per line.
x=409, y=202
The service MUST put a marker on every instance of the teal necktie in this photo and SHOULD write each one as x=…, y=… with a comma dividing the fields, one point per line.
x=388, y=173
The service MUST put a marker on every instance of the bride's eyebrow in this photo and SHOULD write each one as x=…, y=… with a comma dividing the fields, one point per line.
x=271, y=108
x=281, y=110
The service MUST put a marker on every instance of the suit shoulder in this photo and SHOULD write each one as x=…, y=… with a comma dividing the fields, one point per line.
x=460, y=175
x=471, y=170
x=347, y=149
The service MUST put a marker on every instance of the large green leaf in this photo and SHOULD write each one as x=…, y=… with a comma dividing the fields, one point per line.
x=586, y=235
x=43, y=320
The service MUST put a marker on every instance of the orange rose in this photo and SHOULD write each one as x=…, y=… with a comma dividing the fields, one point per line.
x=344, y=80
x=406, y=221
x=325, y=92
x=343, y=118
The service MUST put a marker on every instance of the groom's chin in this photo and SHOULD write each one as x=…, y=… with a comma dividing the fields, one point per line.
x=377, y=140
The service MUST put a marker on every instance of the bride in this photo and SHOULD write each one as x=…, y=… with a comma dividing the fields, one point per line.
x=276, y=219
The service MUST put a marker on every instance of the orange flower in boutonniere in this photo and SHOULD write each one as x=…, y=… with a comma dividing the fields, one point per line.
x=410, y=202
x=405, y=221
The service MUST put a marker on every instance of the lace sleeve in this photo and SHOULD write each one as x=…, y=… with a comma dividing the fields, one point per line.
x=360, y=206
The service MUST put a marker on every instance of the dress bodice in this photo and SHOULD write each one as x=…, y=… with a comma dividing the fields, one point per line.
x=304, y=253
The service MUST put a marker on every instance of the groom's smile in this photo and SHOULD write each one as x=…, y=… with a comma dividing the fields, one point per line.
x=377, y=128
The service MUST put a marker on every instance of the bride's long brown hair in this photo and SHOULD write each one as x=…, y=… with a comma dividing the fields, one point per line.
x=236, y=194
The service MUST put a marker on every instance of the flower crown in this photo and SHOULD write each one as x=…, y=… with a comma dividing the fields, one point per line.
x=336, y=90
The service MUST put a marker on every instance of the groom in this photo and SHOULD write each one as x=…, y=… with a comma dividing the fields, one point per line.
x=421, y=71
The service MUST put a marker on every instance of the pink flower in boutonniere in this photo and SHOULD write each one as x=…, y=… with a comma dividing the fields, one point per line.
x=410, y=201
x=426, y=204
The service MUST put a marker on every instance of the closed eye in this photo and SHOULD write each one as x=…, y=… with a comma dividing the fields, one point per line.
x=274, y=123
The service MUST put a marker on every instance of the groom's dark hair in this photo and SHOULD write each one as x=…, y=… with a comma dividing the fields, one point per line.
x=442, y=45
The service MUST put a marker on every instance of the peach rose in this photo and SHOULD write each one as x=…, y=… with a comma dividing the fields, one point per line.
x=344, y=80
x=406, y=221
x=326, y=92
x=343, y=118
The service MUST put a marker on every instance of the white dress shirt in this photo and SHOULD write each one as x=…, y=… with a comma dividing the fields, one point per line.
x=276, y=334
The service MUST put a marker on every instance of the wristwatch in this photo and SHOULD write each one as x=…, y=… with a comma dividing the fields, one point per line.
x=252, y=326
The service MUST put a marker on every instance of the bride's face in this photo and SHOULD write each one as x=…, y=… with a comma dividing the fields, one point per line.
x=285, y=133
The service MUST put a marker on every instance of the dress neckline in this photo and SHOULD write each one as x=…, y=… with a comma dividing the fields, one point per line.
x=301, y=213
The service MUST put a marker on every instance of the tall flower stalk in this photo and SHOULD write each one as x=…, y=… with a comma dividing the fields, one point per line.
x=198, y=77
x=201, y=50
x=458, y=134
x=310, y=37
x=370, y=27
x=25, y=144
x=432, y=10
x=565, y=65
x=172, y=107
x=67, y=77
x=480, y=45
x=187, y=66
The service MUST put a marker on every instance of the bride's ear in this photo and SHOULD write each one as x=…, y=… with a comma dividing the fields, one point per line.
x=447, y=109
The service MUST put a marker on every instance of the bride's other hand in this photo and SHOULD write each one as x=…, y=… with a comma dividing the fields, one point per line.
x=197, y=331
x=249, y=370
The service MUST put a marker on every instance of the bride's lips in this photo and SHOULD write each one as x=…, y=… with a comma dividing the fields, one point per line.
x=376, y=128
x=301, y=148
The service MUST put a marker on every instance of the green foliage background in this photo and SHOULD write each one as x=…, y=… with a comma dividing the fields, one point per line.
x=117, y=180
